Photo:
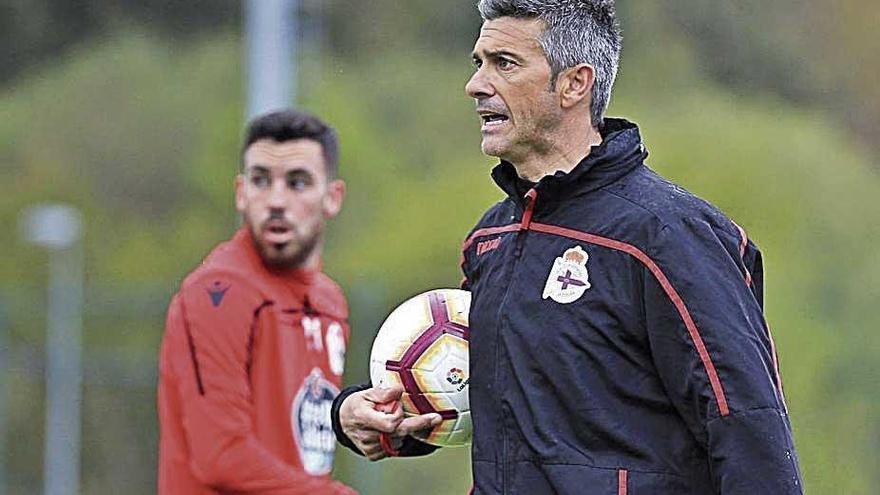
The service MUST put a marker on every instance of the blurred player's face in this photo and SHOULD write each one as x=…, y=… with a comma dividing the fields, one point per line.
x=284, y=197
x=519, y=111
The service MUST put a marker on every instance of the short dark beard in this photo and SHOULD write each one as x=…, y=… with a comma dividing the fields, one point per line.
x=295, y=261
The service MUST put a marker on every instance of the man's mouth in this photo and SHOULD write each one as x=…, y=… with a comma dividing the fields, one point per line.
x=277, y=232
x=491, y=120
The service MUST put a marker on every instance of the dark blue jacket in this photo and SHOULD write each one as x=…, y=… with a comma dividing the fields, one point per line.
x=618, y=342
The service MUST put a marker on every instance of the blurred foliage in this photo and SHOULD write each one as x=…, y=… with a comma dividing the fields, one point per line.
x=142, y=131
x=32, y=31
x=817, y=52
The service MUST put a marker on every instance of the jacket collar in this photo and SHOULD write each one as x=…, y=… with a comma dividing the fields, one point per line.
x=309, y=286
x=621, y=150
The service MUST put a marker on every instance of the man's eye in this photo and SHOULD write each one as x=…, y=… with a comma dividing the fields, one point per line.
x=259, y=181
x=505, y=64
x=297, y=183
x=477, y=63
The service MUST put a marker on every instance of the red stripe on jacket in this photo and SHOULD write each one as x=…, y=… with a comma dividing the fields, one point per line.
x=635, y=252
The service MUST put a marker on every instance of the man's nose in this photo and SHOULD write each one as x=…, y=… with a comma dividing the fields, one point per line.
x=276, y=194
x=478, y=87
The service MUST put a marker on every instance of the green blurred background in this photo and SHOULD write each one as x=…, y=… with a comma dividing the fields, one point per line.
x=132, y=111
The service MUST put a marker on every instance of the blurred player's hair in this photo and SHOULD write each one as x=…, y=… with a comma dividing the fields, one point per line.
x=288, y=125
x=576, y=32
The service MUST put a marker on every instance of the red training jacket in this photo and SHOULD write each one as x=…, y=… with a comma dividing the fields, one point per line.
x=250, y=363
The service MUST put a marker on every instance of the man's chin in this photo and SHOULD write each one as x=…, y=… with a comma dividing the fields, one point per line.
x=291, y=254
x=491, y=147
x=282, y=255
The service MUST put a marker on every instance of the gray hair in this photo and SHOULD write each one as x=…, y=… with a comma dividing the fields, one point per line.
x=576, y=32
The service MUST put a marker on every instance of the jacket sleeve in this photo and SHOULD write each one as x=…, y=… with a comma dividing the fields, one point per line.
x=713, y=352
x=465, y=283
x=213, y=376
x=341, y=437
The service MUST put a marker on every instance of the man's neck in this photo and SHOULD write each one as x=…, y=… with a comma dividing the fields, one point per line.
x=312, y=263
x=561, y=156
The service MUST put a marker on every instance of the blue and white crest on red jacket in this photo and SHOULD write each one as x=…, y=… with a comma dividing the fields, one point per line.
x=310, y=422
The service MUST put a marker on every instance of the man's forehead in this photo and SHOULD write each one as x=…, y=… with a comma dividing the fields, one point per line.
x=509, y=32
x=269, y=153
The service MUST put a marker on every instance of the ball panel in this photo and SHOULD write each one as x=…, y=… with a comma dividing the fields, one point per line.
x=409, y=407
x=403, y=326
x=463, y=430
x=433, y=356
x=457, y=309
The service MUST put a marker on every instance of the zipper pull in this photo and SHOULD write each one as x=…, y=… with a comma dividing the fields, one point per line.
x=531, y=197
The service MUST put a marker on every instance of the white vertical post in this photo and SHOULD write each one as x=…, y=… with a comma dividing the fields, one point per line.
x=57, y=228
x=271, y=54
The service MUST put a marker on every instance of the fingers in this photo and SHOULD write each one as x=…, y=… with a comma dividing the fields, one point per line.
x=358, y=413
x=368, y=443
x=386, y=422
x=371, y=446
x=382, y=395
x=375, y=453
x=388, y=407
x=416, y=423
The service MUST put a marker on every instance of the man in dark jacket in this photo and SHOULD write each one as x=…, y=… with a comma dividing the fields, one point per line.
x=618, y=343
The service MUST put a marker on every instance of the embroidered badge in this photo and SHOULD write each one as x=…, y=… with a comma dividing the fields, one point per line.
x=217, y=291
x=568, y=279
x=310, y=421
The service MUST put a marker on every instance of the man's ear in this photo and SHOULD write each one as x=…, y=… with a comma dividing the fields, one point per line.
x=240, y=202
x=575, y=84
x=333, y=198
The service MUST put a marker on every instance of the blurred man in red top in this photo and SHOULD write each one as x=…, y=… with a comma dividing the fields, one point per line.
x=255, y=339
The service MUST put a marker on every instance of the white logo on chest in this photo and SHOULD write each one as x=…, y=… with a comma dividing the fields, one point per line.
x=312, y=333
x=568, y=279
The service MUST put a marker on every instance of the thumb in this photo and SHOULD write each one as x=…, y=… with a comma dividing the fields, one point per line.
x=383, y=395
x=416, y=423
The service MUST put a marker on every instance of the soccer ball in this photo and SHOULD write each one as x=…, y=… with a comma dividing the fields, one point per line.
x=423, y=346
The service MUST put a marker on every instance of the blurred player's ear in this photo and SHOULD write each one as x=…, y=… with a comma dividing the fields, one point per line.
x=333, y=198
x=240, y=202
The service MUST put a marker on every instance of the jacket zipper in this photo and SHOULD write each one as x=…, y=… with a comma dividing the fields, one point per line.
x=531, y=198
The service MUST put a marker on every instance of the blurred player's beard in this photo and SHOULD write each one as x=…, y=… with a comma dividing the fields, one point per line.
x=291, y=254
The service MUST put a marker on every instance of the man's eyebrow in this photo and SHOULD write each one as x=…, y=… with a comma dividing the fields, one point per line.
x=257, y=169
x=493, y=54
x=297, y=171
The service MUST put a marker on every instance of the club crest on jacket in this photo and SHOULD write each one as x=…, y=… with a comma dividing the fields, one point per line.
x=310, y=421
x=568, y=279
